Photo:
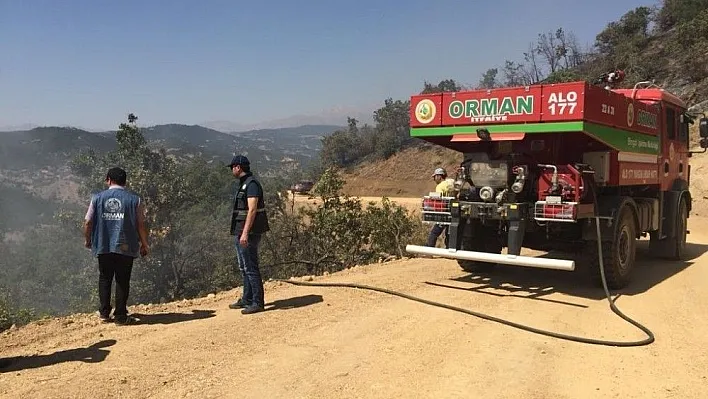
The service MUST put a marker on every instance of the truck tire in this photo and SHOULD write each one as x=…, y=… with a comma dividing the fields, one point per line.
x=486, y=244
x=618, y=255
x=673, y=248
x=679, y=247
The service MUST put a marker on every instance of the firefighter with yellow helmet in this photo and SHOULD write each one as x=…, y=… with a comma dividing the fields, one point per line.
x=444, y=187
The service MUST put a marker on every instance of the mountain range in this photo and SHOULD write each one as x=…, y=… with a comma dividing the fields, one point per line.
x=35, y=173
x=326, y=117
x=43, y=147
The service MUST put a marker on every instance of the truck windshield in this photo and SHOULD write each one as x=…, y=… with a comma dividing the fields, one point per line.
x=485, y=172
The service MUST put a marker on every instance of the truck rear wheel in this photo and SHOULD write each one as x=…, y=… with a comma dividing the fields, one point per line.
x=479, y=244
x=673, y=248
x=618, y=255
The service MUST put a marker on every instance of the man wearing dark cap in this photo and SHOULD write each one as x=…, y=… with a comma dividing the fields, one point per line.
x=114, y=229
x=248, y=222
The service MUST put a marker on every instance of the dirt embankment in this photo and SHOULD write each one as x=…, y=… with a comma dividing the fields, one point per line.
x=405, y=174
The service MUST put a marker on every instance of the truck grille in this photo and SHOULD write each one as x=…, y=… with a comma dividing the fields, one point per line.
x=555, y=212
x=436, y=210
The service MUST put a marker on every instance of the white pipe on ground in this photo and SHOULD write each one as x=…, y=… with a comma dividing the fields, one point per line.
x=528, y=261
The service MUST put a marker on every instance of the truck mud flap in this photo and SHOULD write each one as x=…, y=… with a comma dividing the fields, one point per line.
x=513, y=260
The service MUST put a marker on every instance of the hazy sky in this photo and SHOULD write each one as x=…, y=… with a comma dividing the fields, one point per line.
x=88, y=63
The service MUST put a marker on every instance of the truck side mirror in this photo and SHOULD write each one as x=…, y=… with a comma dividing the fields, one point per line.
x=703, y=127
x=704, y=142
x=685, y=118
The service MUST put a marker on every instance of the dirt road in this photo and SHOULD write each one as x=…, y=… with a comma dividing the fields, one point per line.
x=411, y=203
x=346, y=343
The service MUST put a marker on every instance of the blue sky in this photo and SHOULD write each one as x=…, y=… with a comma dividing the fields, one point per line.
x=89, y=63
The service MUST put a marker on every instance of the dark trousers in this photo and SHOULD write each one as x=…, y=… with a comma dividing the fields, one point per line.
x=435, y=233
x=250, y=272
x=120, y=267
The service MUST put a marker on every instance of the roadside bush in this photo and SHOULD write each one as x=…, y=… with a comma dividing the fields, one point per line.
x=10, y=316
x=337, y=233
x=391, y=227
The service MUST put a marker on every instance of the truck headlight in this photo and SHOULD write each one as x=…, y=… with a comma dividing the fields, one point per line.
x=486, y=193
x=518, y=186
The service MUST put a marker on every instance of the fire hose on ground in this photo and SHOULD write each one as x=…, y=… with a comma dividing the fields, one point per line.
x=567, y=337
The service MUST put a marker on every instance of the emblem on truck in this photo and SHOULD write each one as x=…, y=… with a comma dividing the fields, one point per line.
x=630, y=114
x=425, y=111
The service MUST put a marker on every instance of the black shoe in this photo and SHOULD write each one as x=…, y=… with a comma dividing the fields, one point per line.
x=240, y=304
x=105, y=318
x=252, y=309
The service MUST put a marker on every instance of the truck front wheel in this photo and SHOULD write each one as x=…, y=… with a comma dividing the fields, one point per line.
x=479, y=244
x=681, y=230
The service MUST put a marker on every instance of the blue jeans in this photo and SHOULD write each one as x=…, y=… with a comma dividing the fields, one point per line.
x=435, y=233
x=248, y=264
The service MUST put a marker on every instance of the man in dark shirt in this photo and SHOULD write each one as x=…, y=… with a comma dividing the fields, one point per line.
x=248, y=223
